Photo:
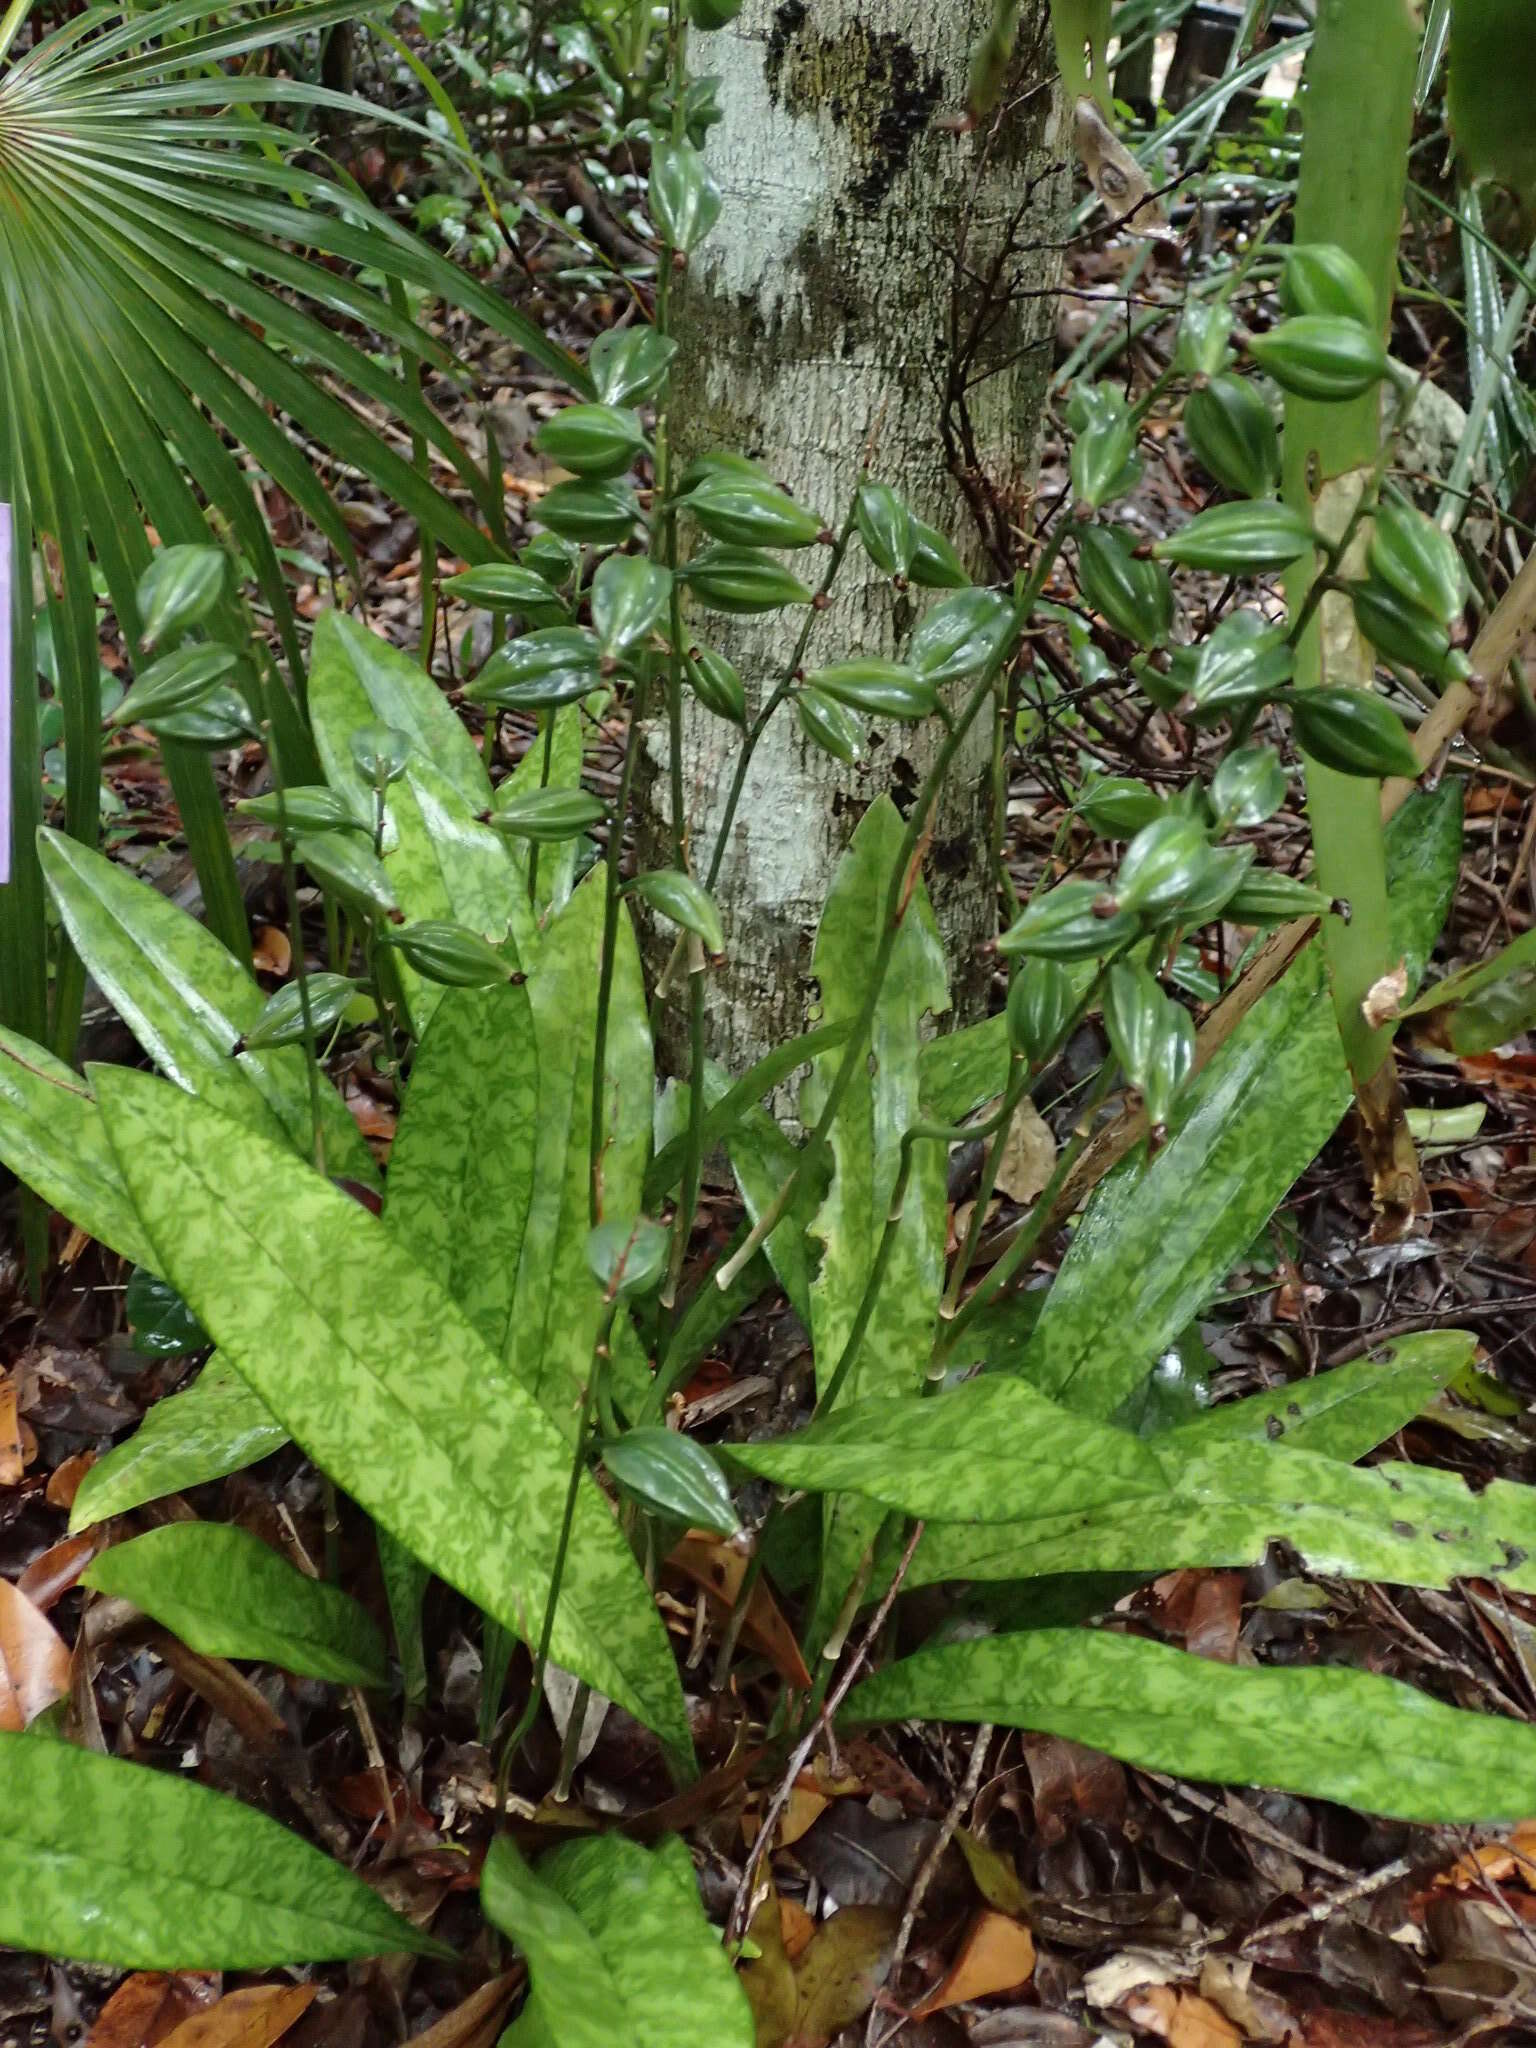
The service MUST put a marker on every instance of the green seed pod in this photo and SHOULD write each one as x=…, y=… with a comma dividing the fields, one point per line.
x=501, y=587
x=179, y=589
x=1268, y=897
x=743, y=580
x=1163, y=864
x=1232, y=433
x=830, y=726
x=310, y=808
x=684, y=198
x=598, y=514
x=281, y=1021
x=1133, y=1018
x=886, y=527
x=449, y=954
x=1239, y=540
x=1171, y=1062
x=1042, y=1001
x=660, y=1468
x=219, y=719
x=716, y=684
x=556, y=665
x=1321, y=356
x=1419, y=560
x=750, y=512
x=1135, y=596
x=591, y=440
x=720, y=462
x=1403, y=632
x=380, y=753
x=629, y=600
x=1322, y=278
x=549, y=556
x=1204, y=332
x=1244, y=661
x=628, y=1255
x=630, y=364
x=174, y=683
x=935, y=565
x=547, y=815
x=1354, y=731
x=351, y=870
x=961, y=634
x=1221, y=878
x=1071, y=922
x=883, y=689
x=683, y=902
x=1115, y=806
x=1104, y=461
x=1248, y=787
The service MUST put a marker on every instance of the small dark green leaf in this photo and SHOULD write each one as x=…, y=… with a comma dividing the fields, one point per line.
x=886, y=527
x=629, y=365
x=599, y=514
x=501, y=587
x=162, y=1324
x=555, y=665
x=1163, y=865
x=1248, y=787
x=961, y=634
x=1042, y=1001
x=684, y=198
x=830, y=726
x=1115, y=806
x=882, y=689
x=628, y=1255
x=282, y=1018
x=1073, y=921
x=751, y=512
x=310, y=808
x=629, y=601
x=1239, y=540
x=674, y=1475
x=181, y=586
x=598, y=441
x=683, y=902
x=1134, y=594
x=734, y=579
x=228, y=1594
x=175, y=683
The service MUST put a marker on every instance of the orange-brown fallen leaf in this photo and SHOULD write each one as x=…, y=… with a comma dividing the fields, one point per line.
x=13, y=1462
x=799, y=1929
x=34, y=1661
x=997, y=1954
x=64, y=1480
x=1182, y=2018
x=720, y=1569
x=254, y=2017
x=1498, y=1862
x=477, y=2020
x=48, y=1578
x=149, y=2005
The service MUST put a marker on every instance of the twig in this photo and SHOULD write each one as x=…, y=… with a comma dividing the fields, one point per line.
x=959, y=1805
x=742, y=1903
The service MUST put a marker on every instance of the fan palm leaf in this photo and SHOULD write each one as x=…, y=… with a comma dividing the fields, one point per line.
x=180, y=306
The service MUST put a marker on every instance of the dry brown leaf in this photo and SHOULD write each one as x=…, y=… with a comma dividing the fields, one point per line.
x=48, y=1578
x=1182, y=2018
x=476, y=2021
x=1114, y=173
x=34, y=1661
x=13, y=1462
x=64, y=1480
x=1498, y=1862
x=1029, y=1155
x=807, y=1803
x=149, y=2005
x=997, y=1954
x=254, y=2017
x=720, y=1569
x=769, y=1979
x=842, y=1970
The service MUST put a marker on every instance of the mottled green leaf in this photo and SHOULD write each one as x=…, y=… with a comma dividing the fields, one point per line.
x=963, y=1069
x=52, y=1139
x=877, y=1108
x=1405, y=1524
x=618, y=1947
x=991, y=1450
x=1343, y=1413
x=356, y=678
x=107, y=1862
x=406, y=1580
x=762, y=1159
x=461, y=1166
x=557, y=1306
x=228, y=1594
x=218, y=1425
x=573, y=1999
x=1329, y=1734
x=186, y=999
x=385, y=1383
x=1158, y=1239
x=642, y=1909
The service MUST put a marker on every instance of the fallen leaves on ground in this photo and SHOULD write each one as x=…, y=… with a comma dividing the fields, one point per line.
x=34, y=1661
x=997, y=1954
x=254, y=2017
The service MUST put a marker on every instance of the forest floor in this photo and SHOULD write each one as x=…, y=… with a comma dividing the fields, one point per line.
x=1061, y=1898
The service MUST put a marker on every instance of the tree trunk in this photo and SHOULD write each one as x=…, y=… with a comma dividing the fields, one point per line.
x=822, y=328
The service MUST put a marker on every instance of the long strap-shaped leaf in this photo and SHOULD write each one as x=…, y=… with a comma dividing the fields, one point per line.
x=376, y=1372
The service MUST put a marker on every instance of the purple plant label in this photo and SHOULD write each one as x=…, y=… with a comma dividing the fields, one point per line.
x=5, y=694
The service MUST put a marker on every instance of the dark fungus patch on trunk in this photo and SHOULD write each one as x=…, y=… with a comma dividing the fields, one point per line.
x=869, y=82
